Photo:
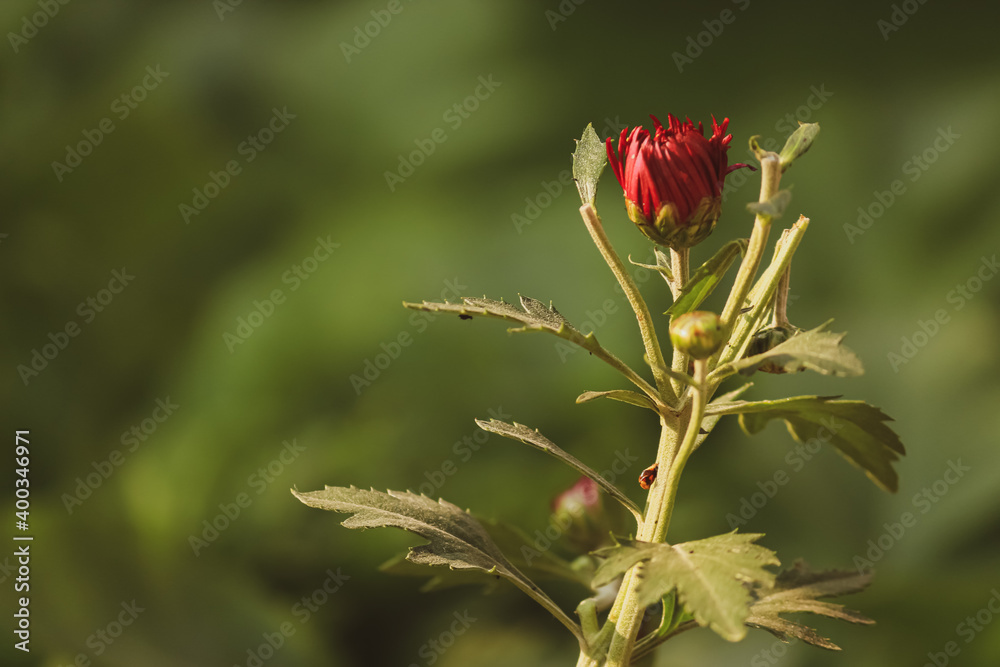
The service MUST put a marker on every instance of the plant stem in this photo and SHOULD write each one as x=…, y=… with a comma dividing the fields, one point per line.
x=659, y=511
x=780, y=316
x=646, y=328
x=680, y=264
x=769, y=181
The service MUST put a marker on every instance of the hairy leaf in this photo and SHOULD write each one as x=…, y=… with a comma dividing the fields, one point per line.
x=662, y=265
x=815, y=350
x=530, y=436
x=623, y=395
x=705, y=278
x=798, y=590
x=532, y=316
x=589, y=159
x=454, y=537
x=520, y=549
x=798, y=143
x=773, y=207
x=710, y=576
x=856, y=429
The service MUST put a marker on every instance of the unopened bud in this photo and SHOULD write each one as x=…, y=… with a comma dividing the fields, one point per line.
x=698, y=333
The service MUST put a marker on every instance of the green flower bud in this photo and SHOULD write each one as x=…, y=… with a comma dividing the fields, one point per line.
x=698, y=333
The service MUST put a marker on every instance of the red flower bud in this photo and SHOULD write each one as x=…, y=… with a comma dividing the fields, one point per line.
x=673, y=179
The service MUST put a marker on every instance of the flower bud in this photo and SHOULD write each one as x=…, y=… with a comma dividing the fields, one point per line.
x=698, y=333
x=765, y=340
x=673, y=179
x=580, y=510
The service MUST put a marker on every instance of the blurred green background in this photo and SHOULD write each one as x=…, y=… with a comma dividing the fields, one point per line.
x=346, y=116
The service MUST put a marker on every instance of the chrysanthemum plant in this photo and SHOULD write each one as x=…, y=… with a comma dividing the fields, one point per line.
x=640, y=589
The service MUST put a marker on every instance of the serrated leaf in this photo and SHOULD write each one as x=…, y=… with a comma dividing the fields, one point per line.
x=454, y=537
x=623, y=395
x=774, y=207
x=440, y=580
x=520, y=549
x=705, y=278
x=589, y=159
x=797, y=590
x=856, y=429
x=530, y=436
x=709, y=575
x=816, y=350
x=532, y=316
x=798, y=143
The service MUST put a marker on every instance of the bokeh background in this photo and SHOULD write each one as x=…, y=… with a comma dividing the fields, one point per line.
x=924, y=88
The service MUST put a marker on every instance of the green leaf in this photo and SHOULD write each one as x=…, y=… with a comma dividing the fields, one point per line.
x=662, y=265
x=815, y=350
x=623, y=395
x=454, y=537
x=399, y=566
x=797, y=590
x=588, y=162
x=798, y=143
x=520, y=549
x=856, y=429
x=530, y=436
x=706, y=277
x=535, y=316
x=773, y=207
x=710, y=576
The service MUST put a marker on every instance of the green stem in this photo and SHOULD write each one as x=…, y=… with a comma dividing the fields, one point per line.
x=541, y=598
x=659, y=511
x=769, y=181
x=648, y=331
x=680, y=263
x=764, y=289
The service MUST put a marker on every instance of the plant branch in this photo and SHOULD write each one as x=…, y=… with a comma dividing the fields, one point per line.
x=770, y=179
x=649, y=339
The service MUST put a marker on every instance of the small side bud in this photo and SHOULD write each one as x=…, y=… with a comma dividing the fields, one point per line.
x=765, y=340
x=698, y=333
